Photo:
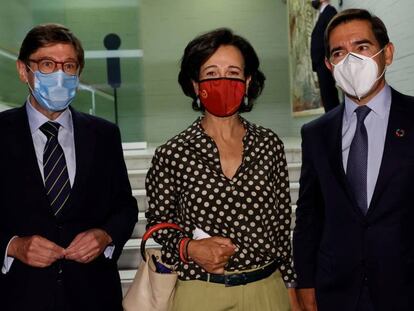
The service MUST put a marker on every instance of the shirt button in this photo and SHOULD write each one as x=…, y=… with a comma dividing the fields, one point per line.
x=240, y=217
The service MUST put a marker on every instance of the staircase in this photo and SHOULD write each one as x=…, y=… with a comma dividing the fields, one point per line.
x=138, y=162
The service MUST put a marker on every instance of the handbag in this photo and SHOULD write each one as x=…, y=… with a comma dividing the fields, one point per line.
x=153, y=286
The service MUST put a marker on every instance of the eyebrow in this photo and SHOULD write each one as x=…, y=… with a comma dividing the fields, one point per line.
x=209, y=67
x=362, y=41
x=358, y=42
x=70, y=59
x=215, y=66
x=235, y=67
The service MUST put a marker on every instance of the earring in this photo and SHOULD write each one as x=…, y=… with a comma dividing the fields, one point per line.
x=246, y=101
x=198, y=103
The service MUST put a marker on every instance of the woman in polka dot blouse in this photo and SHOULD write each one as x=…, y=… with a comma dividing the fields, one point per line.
x=224, y=180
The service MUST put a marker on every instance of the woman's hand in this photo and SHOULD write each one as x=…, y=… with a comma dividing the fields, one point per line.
x=307, y=299
x=293, y=300
x=212, y=254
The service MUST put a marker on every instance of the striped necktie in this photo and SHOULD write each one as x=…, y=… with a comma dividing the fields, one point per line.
x=357, y=166
x=55, y=171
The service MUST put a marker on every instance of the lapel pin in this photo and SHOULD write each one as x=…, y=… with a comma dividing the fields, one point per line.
x=399, y=132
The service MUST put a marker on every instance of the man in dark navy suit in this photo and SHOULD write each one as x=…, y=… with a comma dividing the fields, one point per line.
x=328, y=91
x=65, y=200
x=354, y=236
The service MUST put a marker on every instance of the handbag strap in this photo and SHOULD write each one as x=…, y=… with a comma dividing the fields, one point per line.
x=155, y=228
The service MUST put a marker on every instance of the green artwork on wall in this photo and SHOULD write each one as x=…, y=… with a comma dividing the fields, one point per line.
x=305, y=98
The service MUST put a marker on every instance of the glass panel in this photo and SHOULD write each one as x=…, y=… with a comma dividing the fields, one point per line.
x=91, y=21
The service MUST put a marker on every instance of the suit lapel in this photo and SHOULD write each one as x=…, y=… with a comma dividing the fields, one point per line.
x=394, y=147
x=333, y=138
x=25, y=155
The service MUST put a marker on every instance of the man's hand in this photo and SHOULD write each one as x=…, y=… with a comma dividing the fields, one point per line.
x=212, y=254
x=307, y=299
x=35, y=251
x=88, y=245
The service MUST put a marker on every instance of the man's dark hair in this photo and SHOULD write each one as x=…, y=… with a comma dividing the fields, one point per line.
x=377, y=26
x=49, y=34
x=200, y=49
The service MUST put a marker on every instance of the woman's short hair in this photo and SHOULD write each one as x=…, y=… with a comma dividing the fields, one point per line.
x=377, y=26
x=200, y=49
x=49, y=34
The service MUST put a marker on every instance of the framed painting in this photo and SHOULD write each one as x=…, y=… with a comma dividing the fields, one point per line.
x=304, y=89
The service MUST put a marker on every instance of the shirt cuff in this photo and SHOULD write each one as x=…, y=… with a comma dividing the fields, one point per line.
x=291, y=284
x=7, y=262
x=109, y=250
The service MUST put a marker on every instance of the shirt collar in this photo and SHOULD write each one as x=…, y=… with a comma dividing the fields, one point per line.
x=323, y=6
x=196, y=130
x=37, y=119
x=380, y=104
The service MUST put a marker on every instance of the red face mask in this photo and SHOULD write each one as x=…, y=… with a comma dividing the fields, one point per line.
x=222, y=97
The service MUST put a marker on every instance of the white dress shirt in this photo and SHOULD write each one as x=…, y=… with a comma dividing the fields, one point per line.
x=376, y=124
x=65, y=138
x=323, y=6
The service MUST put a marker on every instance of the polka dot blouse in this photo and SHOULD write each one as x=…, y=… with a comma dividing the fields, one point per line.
x=186, y=185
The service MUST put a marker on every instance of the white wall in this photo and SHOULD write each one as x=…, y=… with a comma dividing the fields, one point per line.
x=398, y=17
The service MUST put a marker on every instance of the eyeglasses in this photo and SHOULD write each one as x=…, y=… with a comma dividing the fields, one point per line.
x=49, y=66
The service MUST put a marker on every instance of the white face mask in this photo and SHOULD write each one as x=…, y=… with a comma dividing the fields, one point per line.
x=356, y=74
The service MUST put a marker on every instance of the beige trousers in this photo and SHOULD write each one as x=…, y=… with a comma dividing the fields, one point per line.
x=269, y=294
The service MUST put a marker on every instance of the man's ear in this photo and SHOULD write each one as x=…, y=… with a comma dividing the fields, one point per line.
x=22, y=71
x=328, y=64
x=389, y=53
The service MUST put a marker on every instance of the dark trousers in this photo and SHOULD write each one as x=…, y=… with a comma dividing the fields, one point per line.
x=365, y=302
x=329, y=92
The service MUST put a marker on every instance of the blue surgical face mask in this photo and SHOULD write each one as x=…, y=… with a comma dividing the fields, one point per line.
x=54, y=91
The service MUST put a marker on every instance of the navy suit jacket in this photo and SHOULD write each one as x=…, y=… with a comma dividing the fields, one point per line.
x=317, y=37
x=336, y=248
x=101, y=198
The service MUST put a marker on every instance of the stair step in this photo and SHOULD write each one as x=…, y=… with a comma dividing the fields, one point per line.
x=137, y=178
x=138, y=159
x=140, y=195
x=142, y=145
x=131, y=255
x=293, y=149
x=294, y=172
x=127, y=276
x=139, y=228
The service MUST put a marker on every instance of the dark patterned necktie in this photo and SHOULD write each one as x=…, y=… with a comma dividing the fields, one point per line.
x=356, y=171
x=55, y=171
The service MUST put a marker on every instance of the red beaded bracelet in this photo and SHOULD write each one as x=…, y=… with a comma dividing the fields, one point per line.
x=182, y=247
x=187, y=256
